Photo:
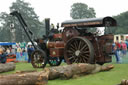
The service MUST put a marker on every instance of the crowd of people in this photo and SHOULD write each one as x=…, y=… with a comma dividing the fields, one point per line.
x=120, y=50
x=22, y=51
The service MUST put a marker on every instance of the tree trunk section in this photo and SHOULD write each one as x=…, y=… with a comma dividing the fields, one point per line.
x=7, y=67
x=73, y=70
x=31, y=78
x=123, y=82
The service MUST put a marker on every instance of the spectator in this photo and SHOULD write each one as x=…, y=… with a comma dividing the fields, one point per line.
x=26, y=54
x=123, y=48
x=2, y=56
x=30, y=49
x=126, y=43
x=18, y=54
x=23, y=54
x=113, y=47
x=8, y=51
x=117, y=52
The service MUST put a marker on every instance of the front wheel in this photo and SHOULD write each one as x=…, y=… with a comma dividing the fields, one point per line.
x=38, y=59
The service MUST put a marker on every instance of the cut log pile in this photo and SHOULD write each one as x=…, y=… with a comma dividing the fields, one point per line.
x=62, y=72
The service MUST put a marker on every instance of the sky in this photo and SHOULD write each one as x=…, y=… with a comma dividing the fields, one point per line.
x=59, y=10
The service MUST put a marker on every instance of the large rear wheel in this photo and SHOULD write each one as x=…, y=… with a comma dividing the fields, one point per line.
x=38, y=59
x=79, y=50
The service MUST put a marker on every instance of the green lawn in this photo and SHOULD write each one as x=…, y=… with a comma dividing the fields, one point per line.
x=124, y=59
x=112, y=77
x=22, y=67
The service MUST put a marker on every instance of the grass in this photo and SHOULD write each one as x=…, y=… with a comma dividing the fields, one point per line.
x=124, y=59
x=112, y=77
x=22, y=67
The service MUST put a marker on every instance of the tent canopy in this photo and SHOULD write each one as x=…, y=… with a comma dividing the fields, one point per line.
x=7, y=43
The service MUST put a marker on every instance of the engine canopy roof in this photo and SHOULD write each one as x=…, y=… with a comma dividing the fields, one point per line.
x=90, y=22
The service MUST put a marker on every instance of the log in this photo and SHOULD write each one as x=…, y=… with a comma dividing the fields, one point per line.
x=26, y=71
x=41, y=78
x=31, y=78
x=7, y=67
x=73, y=70
x=123, y=82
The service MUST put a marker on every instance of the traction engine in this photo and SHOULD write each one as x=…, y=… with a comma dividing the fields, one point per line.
x=74, y=44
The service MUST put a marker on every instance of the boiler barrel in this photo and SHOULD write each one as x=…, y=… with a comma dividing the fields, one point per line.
x=55, y=44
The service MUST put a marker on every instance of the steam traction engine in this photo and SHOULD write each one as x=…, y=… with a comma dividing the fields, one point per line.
x=74, y=44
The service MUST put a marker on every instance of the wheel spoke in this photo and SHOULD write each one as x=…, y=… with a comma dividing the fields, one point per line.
x=85, y=52
x=72, y=58
x=80, y=44
x=72, y=49
x=76, y=44
x=84, y=60
x=76, y=60
x=83, y=47
x=87, y=55
x=80, y=60
x=73, y=46
x=69, y=51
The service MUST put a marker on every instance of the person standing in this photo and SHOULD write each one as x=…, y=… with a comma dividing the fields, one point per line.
x=2, y=56
x=26, y=54
x=18, y=54
x=123, y=48
x=117, y=49
x=30, y=49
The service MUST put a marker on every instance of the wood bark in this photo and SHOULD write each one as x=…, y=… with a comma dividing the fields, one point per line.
x=31, y=78
x=123, y=82
x=41, y=78
x=7, y=67
x=73, y=70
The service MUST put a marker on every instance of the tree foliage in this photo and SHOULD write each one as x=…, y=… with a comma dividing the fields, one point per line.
x=122, y=24
x=80, y=11
x=30, y=18
x=4, y=28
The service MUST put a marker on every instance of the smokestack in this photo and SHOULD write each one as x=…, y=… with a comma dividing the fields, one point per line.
x=47, y=26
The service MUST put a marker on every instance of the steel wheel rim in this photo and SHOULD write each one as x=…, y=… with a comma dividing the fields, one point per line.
x=78, y=50
x=38, y=59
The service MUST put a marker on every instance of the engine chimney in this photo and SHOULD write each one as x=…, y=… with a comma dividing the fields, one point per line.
x=47, y=26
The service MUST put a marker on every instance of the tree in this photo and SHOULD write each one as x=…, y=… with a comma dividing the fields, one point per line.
x=4, y=28
x=29, y=16
x=80, y=11
x=122, y=25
